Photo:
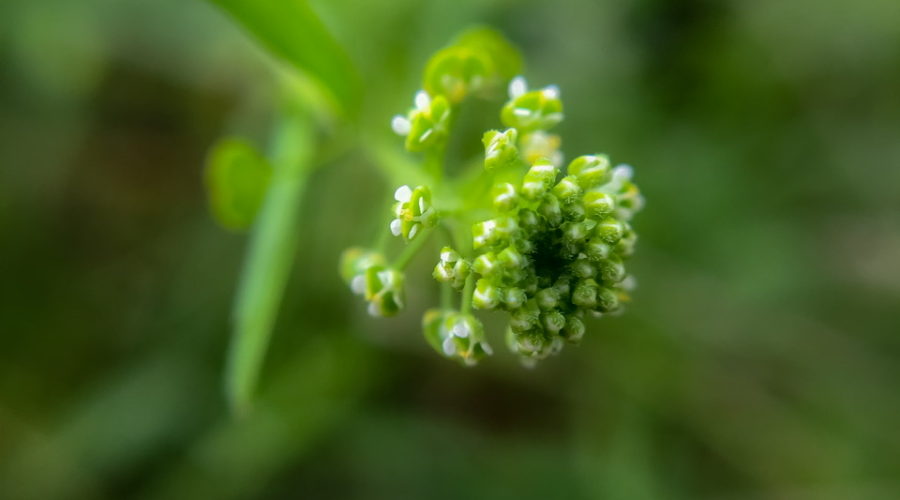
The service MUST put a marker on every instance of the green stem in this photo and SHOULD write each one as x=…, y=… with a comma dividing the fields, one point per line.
x=269, y=259
x=446, y=296
x=467, y=294
x=434, y=164
x=412, y=249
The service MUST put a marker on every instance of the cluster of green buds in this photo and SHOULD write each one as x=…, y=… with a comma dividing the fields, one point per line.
x=544, y=243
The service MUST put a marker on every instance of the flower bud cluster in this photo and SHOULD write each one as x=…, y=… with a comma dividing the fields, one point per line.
x=554, y=251
x=381, y=286
x=413, y=212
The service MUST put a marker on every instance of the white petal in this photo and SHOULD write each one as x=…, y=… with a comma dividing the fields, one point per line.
x=551, y=92
x=400, y=125
x=403, y=194
x=423, y=102
x=421, y=205
x=517, y=87
x=395, y=227
x=487, y=348
x=413, y=230
x=449, y=346
x=358, y=284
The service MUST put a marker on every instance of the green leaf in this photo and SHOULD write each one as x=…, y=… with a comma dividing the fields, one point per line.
x=237, y=177
x=292, y=31
x=269, y=259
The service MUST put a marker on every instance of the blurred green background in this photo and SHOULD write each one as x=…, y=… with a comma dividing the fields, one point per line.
x=758, y=360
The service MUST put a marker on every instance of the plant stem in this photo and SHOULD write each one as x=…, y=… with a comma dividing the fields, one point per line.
x=271, y=252
x=467, y=294
x=411, y=249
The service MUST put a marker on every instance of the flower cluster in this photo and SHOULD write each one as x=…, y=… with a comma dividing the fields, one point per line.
x=547, y=245
x=554, y=251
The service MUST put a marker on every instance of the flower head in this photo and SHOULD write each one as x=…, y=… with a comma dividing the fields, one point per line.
x=534, y=110
x=556, y=252
x=413, y=211
x=426, y=124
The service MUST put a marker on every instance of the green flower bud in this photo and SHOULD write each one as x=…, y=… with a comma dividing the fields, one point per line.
x=582, y=268
x=504, y=197
x=539, y=179
x=574, y=330
x=500, y=149
x=575, y=232
x=567, y=189
x=585, y=294
x=551, y=210
x=525, y=317
x=612, y=270
x=598, y=203
x=528, y=111
x=486, y=295
x=610, y=230
x=553, y=321
x=514, y=298
x=510, y=258
x=597, y=249
x=493, y=232
x=607, y=300
x=590, y=170
x=574, y=211
x=413, y=210
x=451, y=268
x=548, y=298
x=486, y=264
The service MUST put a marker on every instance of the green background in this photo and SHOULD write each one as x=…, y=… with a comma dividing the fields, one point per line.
x=758, y=360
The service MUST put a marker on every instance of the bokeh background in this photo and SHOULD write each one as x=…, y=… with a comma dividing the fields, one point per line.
x=760, y=358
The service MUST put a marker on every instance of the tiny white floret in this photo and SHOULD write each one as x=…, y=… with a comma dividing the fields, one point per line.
x=400, y=125
x=517, y=87
x=423, y=101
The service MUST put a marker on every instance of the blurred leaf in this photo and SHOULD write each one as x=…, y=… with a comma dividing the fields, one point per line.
x=292, y=31
x=237, y=177
x=269, y=258
x=506, y=57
